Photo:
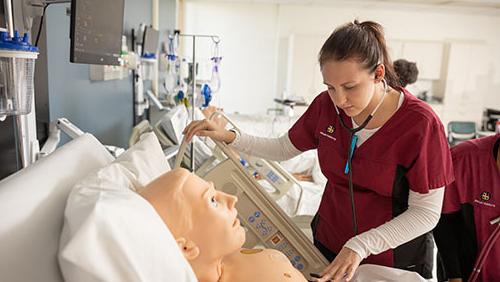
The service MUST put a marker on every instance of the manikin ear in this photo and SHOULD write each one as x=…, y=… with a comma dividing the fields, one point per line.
x=379, y=72
x=188, y=248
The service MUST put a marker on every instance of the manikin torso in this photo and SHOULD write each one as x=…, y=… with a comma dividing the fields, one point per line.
x=250, y=265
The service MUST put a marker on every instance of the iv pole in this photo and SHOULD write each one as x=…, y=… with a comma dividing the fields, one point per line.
x=216, y=40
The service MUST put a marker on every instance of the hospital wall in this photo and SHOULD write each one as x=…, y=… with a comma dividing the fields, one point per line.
x=103, y=108
x=248, y=34
x=273, y=48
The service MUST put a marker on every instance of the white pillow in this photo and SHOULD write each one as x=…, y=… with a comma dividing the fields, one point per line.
x=111, y=233
x=144, y=161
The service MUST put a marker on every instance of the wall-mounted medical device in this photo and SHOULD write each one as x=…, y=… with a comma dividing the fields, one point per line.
x=174, y=122
x=149, y=52
x=490, y=119
x=150, y=41
x=17, y=68
x=96, y=31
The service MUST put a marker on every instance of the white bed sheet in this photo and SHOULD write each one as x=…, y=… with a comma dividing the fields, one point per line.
x=263, y=125
x=309, y=203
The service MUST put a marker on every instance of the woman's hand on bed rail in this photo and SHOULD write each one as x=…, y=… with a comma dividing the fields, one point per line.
x=210, y=129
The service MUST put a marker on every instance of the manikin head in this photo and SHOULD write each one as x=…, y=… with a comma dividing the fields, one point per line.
x=202, y=220
x=353, y=61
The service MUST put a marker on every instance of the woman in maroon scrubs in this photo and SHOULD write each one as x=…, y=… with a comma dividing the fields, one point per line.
x=470, y=205
x=383, y=151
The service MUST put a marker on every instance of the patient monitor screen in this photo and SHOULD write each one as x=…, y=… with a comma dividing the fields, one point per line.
x=2, y=16
x=96, y=31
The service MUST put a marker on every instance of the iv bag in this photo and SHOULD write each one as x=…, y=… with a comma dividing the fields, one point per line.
x=171, y=76
x=215, y=80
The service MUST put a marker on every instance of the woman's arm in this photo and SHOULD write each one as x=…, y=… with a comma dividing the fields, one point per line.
x=276, y=149
x=421, y=216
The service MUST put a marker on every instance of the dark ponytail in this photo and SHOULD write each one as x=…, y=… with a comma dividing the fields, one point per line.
x=364, y=42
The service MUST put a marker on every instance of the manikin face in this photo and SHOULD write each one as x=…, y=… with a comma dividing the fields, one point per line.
x=202, y=219
x=216, y=228
x=350, y=86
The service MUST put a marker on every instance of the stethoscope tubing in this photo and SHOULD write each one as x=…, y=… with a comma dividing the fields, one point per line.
x=350, y=153
x=483, y=254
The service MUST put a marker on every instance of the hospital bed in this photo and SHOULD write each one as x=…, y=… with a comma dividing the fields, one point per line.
x=33, y=207
x=33, y=204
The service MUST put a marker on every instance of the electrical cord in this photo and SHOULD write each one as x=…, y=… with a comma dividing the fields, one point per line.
x=41, y=24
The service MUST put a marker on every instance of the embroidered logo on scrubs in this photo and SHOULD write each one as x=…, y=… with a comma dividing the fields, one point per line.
x=485, y=200
x=485, y=196
x=330, y=130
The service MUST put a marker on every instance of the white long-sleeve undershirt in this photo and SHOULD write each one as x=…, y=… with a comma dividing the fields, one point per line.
x=274, y=149
x=421, y=216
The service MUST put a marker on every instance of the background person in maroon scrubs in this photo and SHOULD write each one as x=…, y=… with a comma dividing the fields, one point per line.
x=470, y=203
x=407, y=71
x=400, y=165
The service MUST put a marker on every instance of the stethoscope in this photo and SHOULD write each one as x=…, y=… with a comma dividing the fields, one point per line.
x=483, y=254
x=350, y=152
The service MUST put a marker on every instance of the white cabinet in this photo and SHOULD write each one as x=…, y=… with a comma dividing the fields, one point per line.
x=427, y=55
x=467, y=82
x=395, y=49
x=459, y=72
x=298, y=71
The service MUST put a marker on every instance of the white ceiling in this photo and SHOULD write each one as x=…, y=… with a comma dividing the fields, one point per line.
x=486, y=6
x=495, y=4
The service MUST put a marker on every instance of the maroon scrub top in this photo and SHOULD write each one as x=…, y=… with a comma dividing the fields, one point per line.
x=409, y=151
x=478, y=184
